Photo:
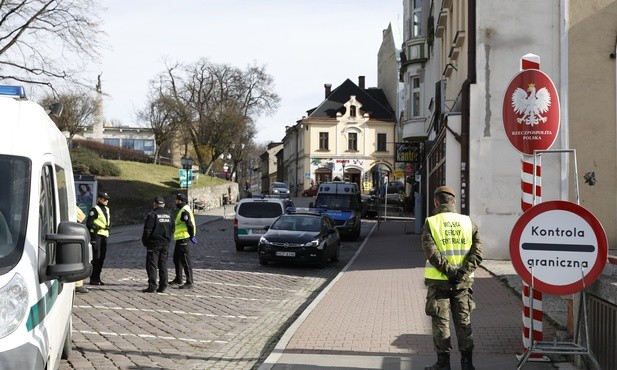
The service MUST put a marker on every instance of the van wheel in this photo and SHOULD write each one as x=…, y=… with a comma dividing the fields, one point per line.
x=239, y=247
x=68, y=341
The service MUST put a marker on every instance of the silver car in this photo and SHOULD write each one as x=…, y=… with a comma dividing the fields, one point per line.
x=279, y=189
x=253, y=215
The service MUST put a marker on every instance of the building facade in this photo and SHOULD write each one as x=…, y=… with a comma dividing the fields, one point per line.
x=459, y=57
x=349, y=136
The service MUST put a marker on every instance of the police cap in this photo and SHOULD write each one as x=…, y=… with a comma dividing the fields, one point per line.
x=103, y=195
x=159, y=200
x=183, y=198
x=444, y=189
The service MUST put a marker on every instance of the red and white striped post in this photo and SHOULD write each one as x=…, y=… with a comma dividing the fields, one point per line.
x=528, y=172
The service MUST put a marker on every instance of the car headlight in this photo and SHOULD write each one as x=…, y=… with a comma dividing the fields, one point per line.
x=264, y=241
x=13, y=305
x=351, y=221
x=314, y=243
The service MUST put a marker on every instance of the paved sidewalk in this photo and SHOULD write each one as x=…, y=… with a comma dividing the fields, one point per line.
x=371, y=316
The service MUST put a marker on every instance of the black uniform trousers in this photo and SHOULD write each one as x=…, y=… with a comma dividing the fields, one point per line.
x=99, y=251
x=156, y=259
x=182, y=261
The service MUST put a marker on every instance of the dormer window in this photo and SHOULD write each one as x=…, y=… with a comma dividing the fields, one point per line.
x=352, y=111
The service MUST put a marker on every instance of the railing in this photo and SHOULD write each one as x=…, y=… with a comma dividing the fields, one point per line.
x=603, y=328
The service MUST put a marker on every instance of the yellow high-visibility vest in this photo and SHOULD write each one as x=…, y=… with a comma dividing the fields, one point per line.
x=181, y=231
x=452, y=233
x=101, y=222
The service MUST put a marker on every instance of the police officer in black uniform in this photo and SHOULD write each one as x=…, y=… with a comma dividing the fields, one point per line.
x=158, y=233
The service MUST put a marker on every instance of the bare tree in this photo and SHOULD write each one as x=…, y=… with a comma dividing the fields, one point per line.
x=219, y=104
x=163, y=115
x=77, y=114
x=46, y=42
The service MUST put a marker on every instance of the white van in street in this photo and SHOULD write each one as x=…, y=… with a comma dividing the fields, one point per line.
x=253, y=215
x=42, y=247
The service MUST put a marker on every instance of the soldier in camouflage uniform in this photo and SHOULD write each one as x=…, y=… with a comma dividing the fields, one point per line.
x=453, y=249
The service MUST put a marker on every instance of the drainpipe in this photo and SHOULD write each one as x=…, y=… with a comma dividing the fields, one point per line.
x=465, y=96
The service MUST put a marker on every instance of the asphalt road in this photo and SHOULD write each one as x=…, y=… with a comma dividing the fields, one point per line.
x=231, y=319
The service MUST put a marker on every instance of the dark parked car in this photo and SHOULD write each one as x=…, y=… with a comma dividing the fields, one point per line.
x=300, y=237
x=393, y=187
x=310, y=192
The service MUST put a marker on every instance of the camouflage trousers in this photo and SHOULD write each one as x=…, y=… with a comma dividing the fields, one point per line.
x=439, y=304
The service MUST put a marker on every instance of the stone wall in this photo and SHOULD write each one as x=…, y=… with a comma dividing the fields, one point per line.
x=215, y=196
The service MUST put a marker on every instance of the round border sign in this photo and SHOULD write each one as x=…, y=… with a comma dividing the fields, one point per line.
x=562, y=244
x=531, y=111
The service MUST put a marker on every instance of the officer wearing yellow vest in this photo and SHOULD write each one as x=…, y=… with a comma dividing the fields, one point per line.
x=453, y=249
x=98, y=223
x=184, y=231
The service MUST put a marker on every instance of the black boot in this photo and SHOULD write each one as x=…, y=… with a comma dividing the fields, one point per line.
x=443, y=362
x=467, y=361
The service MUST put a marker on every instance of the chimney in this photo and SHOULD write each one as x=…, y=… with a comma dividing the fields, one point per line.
x=361, y=82
x=328, y=89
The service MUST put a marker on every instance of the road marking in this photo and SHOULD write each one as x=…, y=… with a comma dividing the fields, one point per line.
x=225, y=284
x=111, y=334
x=98, y=307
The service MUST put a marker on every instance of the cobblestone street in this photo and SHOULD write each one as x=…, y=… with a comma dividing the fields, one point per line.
x=231, y=319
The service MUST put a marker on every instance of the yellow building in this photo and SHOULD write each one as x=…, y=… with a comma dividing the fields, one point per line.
x=349, y=136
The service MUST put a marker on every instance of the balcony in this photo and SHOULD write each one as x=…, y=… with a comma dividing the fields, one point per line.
x=459, y=39
x=414, y=129
x=448, y=70
x=441, y=23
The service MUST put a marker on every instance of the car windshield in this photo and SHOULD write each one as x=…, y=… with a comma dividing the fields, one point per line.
x=14, y=191
x=334, y=201
x=279, y=186
x=297, y=223
x=260, y=210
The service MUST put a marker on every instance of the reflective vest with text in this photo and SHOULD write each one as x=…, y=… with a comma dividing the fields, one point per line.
x=452, y=233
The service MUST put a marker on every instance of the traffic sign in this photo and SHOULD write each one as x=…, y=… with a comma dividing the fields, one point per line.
x=558, y=247
x=185, y=177
x=531, y=112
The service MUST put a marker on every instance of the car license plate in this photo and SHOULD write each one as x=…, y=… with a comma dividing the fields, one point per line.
x=258, y=231
x=286, y=254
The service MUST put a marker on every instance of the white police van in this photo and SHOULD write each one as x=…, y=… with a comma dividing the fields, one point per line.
x=42, y=247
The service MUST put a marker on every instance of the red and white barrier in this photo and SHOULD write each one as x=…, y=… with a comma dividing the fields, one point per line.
x=531, y=61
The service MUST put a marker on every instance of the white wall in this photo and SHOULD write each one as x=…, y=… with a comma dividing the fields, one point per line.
x=506, y=30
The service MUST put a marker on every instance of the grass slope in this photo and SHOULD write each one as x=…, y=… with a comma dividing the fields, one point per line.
x=132, y=192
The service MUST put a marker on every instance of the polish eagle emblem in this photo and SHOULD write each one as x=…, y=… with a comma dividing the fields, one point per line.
x=532, y=106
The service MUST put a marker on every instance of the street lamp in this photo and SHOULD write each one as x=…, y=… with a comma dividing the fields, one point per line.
x=344, y=163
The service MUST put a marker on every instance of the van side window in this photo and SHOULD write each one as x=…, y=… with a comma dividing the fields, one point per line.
x=47, y=213
x=14, y=195
x=62, y=193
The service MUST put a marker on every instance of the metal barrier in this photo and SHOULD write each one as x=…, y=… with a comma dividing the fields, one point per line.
x=603, y=331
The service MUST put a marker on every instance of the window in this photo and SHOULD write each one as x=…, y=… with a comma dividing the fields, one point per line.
x=415, y=96
x=63, y=197
x=128, y=144
x=416, y=18
x=352, y=143
x=352, y=111
x=14, y=199
x=323, y=141
x=381, y=142
x=114, y=142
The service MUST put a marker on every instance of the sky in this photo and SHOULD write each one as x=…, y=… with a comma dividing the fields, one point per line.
x=303, y=44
